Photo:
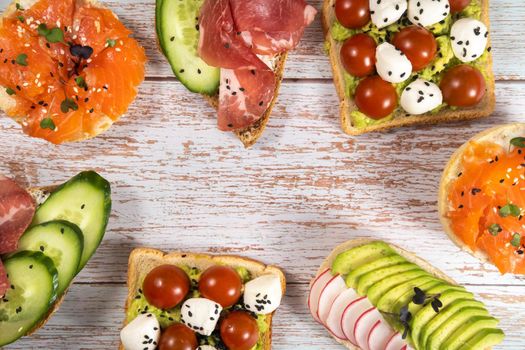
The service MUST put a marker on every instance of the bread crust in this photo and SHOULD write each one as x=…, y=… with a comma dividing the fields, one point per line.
x=143, y=260
x=411, y=257
x=347, y=104
x=251, y=134
x=500, y=135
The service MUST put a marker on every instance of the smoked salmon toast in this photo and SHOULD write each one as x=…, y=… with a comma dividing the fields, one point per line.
x=482, y=197
x=68, y=68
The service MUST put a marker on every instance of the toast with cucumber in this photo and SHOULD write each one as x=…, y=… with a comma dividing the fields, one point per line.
x=377, y=296
x=64, y=229
x=233, y=53
x=214, y=293
x=403, y=63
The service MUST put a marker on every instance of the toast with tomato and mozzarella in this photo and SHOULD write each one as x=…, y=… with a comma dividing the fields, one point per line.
x=47, y=236
x=481, y=202
x=376, y=296
x=405, y=62
x=204, y=301
x=233, y=52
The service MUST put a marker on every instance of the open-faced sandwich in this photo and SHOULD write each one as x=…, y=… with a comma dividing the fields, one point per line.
x=47, y=235
x=405, y=62
x=372, y=295
x=233, y=52
x=68, y=68
x=198, y=301
x=482, y=197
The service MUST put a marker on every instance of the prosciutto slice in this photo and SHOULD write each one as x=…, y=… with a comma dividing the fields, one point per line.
x=242, y=37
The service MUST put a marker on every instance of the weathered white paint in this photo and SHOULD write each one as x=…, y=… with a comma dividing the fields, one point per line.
x=178, y=183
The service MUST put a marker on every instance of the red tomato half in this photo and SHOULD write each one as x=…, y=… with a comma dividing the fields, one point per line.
x=178, y=337
x=222, y=284
x=375, y=97
x=463, y=86
x=458, y=5
x=352, y=13
x=166, y=286
x=239, y=331
x=358, y=55
x=418, y=44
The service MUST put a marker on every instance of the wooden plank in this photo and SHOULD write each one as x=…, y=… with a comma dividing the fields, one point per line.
x=91, y=317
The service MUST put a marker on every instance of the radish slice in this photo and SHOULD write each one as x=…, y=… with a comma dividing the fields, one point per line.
x=315, y=291
x=379, y=335
x=333, y=321
x=350, y=316
x=396, y=342
x=364, y=325
x=330, y=292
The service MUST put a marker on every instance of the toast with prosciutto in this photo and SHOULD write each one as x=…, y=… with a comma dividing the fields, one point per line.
x=47, y=235
x=372, y=295
x=233, y=52
x=199, y=301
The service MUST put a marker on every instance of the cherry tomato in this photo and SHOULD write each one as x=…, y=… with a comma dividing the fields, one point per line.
x=375, y=97
x=178, y=337
x=358, y=55
x=239, y=331
x=352, y=13
x=166, y=286
x=221, y=284
x=463, y=86
x=418, y=44
x=458, y=5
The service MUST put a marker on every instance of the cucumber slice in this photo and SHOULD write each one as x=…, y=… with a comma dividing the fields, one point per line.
x=34, y=282
x=61, y=241
x=85, y=201
x=177, y=23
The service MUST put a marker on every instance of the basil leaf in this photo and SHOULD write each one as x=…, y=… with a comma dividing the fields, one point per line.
x=47, y=123
x=510, y=210
x=516, y=240
x=518, y=142
x=494, y=229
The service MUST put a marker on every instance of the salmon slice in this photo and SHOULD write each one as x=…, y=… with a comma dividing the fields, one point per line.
x=70, y=89
x=492, y=182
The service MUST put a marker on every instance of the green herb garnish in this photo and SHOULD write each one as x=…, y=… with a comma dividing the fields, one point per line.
x=19, y=7
x=518, y=142
x=111, y=42
x=494, y=229
x=509, y=210
x=54, y=35
x=22, y=59
x=516, y=240
x=10, y=91
x=81, y=82
x=47, y=123
x=68, y=104
x=21, y=18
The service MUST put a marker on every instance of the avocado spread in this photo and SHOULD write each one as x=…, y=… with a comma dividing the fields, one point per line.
x=433, y=72
x=166, y=318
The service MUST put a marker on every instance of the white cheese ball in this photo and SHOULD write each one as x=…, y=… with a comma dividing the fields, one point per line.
x=392, y=64
x=421, y=97
x=143, y=333
x=386, y=12
x=469, y=39
x=428, y=12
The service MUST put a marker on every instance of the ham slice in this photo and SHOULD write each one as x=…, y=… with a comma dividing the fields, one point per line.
x=232, y=35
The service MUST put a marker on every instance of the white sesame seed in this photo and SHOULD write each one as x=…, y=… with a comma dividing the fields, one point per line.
x=509, y=170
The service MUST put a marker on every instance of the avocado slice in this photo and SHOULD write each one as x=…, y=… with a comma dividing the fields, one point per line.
x=485, y=339
x=427, y=313
x=390, y=260
x=448, y=320
x=458, y=306
x=371, y=278
x=357, y=256
x=381, y=288
x=468, y=330
x=406, y=298
x=439, y=289
x=387, y=300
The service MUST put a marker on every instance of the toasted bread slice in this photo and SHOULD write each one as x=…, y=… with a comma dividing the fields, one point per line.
x=411, y=257
x=347, y=104
x=143, y=260
x=500, y=135
x=251, y=134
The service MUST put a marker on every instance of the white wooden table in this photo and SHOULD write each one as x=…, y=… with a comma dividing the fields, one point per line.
x=180, y=184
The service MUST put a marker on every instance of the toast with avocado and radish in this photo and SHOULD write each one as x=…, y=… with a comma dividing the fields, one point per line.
x=377, y=296
x=407, y=62
x=65, y=226
x=480, y=197
x=232, y=52
x=192, y=298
